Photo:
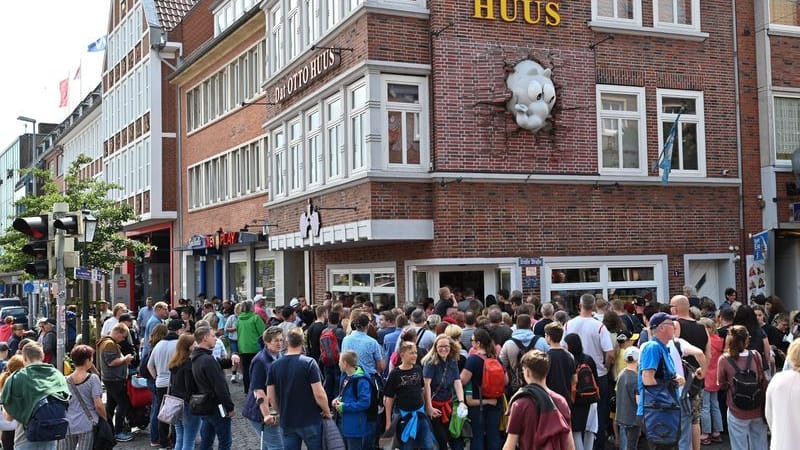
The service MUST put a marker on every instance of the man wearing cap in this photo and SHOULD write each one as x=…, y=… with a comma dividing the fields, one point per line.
x=598, y=345
x=158, y=366
x=258, y=307
x=17, y=332
x=47, y=337
x=655, y=354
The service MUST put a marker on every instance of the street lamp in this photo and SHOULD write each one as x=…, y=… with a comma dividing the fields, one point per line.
x=89, y=227
x=34, y=156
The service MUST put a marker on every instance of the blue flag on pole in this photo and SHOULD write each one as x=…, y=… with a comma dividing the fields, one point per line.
x=666, y=153
x=97, y=46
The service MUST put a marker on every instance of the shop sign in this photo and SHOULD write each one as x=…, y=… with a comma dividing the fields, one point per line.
x=529, y=11
x=322, y=63
x=197, y=241
x=310, y=221
x=247, y=237
x=531, y=272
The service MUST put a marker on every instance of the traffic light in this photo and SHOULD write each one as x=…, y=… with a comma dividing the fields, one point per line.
x=69, y=223
x=39, y=246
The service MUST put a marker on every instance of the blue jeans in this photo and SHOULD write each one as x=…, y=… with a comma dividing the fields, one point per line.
x=744, y=431
x=629, y=437
x=331, y=381
x=271, y=437
x=485, y=427
x=186, y=430
x=356, y=443
x=710, y=415
x=151, y=384
x=685, y=443
x=49, y=445
x=424, y=440
x=311, y=435
x=215, y=426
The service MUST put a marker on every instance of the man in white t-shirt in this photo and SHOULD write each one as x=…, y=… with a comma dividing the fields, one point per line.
x=597, y=343
x=111, y=322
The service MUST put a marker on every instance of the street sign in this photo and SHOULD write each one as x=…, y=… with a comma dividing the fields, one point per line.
x=27, y=287
x=97, y=275
x=82, y=273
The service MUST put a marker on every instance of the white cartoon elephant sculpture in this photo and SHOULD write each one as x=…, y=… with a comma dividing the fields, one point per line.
x=534, y=95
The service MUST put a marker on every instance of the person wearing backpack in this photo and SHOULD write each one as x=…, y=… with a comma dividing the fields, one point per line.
x=442, y=381
x=353, y=403
x=585, y=395
x=538, y=417
x=522, y=341
x=740, y=371
x=330, y=345
x=488, y=380
x=37, y=397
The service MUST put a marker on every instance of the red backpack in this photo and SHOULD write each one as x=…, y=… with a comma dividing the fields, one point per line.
x=493, y=380
x=328, y=348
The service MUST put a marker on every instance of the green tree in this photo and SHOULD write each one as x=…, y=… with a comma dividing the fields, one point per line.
x=109, y=249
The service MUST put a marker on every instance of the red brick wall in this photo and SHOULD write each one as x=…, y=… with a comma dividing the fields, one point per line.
x=196, y=28
x=785, y=53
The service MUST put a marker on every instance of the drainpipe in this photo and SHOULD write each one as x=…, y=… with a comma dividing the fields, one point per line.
x=742, y=235
x=179, y=151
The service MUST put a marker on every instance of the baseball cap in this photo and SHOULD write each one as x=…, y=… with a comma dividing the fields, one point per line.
x=623, y=336
x=631, y=354
x=175, y=325
x=659, y=318
x=3, y=347
x=294, y=302
x=125, y=317
x=258, y=298
x=640, y=301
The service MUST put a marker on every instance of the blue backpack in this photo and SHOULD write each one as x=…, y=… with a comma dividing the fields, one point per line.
x=48, y=421
x=662, y=411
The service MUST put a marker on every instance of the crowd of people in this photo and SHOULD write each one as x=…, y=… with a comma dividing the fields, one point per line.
x=457, y=372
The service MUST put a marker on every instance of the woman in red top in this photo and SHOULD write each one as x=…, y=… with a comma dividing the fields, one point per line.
x=746, y=426
x=710, y=415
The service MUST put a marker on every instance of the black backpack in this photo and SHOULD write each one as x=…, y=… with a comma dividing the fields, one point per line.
x=516, y=379
x=48, y=421
x=747, y=391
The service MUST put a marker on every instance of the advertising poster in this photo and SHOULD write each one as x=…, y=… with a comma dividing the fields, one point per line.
x=757, y=269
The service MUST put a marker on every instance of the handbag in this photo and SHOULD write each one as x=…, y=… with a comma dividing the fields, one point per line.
x=198, y=404
x=662, y=411
x=171, y=410
x=6, y=425
x=103, y=433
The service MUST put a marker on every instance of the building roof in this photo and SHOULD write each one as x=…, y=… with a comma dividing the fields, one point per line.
x=169, y=12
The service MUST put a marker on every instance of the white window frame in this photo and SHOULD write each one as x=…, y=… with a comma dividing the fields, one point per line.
x=294, y=29
x=793, y=97
x=420, y=108
x=295, y=155
x=359, y=158
x=278, y=163
x=334, y=149
x=372, y=269
x=677, y=146
x=640, y=115
x=277, y=39
x=314, y=153
x=674, y=26
x=792, y=30
x=609, y=20
x=312, y=21
x=604, y=263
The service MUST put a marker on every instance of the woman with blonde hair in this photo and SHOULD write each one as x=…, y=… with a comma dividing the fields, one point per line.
x=783, y=395
x=181, y=384
x=86, y=406
x=7, y=436
x=442, y=378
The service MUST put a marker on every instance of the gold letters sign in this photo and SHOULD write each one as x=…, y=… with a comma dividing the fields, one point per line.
x=530, y=11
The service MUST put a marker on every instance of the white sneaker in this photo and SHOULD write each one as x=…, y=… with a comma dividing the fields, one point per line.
x=233, y=379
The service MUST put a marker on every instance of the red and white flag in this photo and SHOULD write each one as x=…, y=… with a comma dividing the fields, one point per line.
x=63, y=89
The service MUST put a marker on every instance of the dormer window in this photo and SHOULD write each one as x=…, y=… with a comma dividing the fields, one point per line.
x=229, y=12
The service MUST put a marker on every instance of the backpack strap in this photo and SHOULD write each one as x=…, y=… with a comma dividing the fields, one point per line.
x=420, y=334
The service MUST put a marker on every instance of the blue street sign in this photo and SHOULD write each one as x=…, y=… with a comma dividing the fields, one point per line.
x=82, y=273
x=27, y=287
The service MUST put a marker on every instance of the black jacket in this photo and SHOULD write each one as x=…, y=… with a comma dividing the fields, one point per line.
x=182, y=381
x=210, y=379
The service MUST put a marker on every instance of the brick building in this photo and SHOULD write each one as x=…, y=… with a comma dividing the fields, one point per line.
x=391, y=161
x=769, y=34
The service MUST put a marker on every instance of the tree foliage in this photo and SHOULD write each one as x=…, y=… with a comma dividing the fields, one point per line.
x=109, y=248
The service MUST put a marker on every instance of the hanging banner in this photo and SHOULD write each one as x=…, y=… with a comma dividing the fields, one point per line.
x=757, y=266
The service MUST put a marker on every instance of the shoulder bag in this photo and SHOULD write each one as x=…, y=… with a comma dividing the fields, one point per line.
x=171, y=410
x=103, y=433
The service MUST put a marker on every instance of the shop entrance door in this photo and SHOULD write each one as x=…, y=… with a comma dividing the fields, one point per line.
x=463, y=280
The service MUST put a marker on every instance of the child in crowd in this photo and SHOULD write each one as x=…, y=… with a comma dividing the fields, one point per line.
x=404, y=390
x=627, y=383
x=353, y=402
x=561, y=376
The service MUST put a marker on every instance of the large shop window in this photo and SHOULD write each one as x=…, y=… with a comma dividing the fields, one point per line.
x=238, y=276
x=787, y=127
x=688, y=148
x=265, y=280
x=621, y=130
x=231, y=175
x=378, y=282
x=403, y=126
x=677, y=14
x=619, y=278
x=785, y=13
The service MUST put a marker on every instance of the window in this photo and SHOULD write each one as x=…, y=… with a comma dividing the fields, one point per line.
x=312, y=21
x=265, y=280
x=376, y=281
x=683, y=14
x=621, y=131
x=313, y=146
x=278, y=167
x=276, y=21
x=615, y=278
x=359, y=127
x=787, y=127
x=623, y=11
x=296, y=154
x=334, y=144
x=688, y=147
x=293, y=33
x=403, y=111
x=334, y=12
x=784, y=12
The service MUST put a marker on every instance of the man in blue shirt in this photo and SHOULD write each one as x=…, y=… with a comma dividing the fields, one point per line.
x=160, y=313
x=145, y=313
x=390, y=341
x=369, y=353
